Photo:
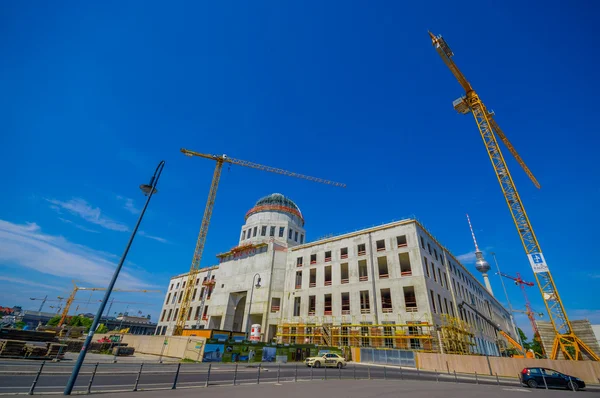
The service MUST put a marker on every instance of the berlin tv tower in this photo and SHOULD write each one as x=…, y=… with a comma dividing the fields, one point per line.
x=481, y=265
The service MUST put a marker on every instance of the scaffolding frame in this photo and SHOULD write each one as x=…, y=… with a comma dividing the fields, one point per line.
x=456, y=335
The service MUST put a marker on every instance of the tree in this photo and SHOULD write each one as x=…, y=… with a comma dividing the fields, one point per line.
x=102, y=328
x=526, y=344
x=80, y=321
x=20, y=325
x=54, y=320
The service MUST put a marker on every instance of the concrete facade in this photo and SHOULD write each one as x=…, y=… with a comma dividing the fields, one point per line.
x=393, y=273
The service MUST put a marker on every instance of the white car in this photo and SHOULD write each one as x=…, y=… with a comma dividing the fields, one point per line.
x=326, y=360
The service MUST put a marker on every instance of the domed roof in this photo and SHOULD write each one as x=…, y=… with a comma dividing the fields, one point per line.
x=276, y=202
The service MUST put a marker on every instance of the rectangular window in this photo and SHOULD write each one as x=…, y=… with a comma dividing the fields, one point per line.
x=177, y=287
x=328, y=275
x=176, y=313
x=194, y=295
x=440, y=303
x=255, y=231
x=313, y=258
x=405, y=268
x=299, y=261
x=174, y=298
x=383, y=267
x=365, y=305
x=168, y=298
x=429, y=248
x=433, y=271
x=263, y=230
x=452, y=308
x=435, y=252
x=365, y=341
x=446, y=305
x=297, y=306
x=312, y=305
x=301, y=238
x=386, y=301
x=169, y=316
x=290, y=233
x=312, y=282
x=440, y=275
x=446, y=280
x=363, y=274
x=433, y=301
x=422, y=242
x=426, y=267
x=410, y=300
x=171, y=287
x=327, y=309
x=298, y=279
x=183, y=286
x=162, y=318
x=180, y=297
x=243, y=235
x=197, y=314
x=275, y=304
x=272, y=231
x=197, y=281
x=189, y=315
x=345, y=303
x=344, y=273
x=281, y=231
x=327, y=256
x=344, y=252
x=296, y=236
x=205, y=313
x=362, y=249
x=380, y=245
x=401, y=241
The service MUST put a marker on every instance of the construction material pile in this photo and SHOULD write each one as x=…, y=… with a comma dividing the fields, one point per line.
x=12, y=348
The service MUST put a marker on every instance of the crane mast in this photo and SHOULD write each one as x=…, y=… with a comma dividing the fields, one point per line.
x=565, y=341
x=185, y=309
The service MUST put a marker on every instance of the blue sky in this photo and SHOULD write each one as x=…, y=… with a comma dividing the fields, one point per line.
x=95, y=95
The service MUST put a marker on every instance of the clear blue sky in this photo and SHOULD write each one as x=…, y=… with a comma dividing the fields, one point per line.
x=95, y=95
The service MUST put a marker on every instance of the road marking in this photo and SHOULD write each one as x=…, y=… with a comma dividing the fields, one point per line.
x=516, y=389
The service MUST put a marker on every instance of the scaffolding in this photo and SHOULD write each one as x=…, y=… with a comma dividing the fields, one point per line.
x=456, y=336
x=411, y=335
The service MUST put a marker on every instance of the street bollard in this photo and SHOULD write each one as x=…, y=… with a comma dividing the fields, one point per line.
x=476, y=379
x=369, y=371
x=296, y=373
x=258, y=375
x=384, y=373
x=176, y=376
x=572, y=385
x=455, y=378
x=208, y=375
x=278, y=372
x=89, y=389
x=545, y=384
x=137, y=381
x=235, y=374
x=401, y=374
x=497, y=379
x=354, y=371
x=37, y=377
x=437, y=376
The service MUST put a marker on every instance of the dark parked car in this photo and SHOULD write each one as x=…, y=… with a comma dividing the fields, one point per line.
x=542, y=377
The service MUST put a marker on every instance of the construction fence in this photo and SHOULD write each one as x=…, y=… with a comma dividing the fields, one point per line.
x=385, y=357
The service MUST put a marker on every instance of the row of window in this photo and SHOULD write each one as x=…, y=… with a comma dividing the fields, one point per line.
x=172, y=316
x=253, y=232
x=363, y=271
x=205, y=279
x=361, y=250
x=410, y=302
x=178, y=295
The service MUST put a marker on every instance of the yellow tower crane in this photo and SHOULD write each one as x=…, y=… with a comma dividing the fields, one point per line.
x=76, y=288
x=210, y=203
x=565, y=341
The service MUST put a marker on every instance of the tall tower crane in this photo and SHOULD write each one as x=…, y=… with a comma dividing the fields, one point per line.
x=210, y=203
x=76, y=288
x=565, y=341
x=528, y=310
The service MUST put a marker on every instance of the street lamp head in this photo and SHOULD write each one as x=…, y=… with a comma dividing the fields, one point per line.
x=258, y=282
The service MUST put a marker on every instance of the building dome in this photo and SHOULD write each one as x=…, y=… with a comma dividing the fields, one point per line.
x=276, y=202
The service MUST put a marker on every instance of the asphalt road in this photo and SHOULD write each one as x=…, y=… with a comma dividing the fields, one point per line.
x=122, y=377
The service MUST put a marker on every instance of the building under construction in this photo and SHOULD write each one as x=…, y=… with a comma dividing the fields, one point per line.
x=390, y=286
